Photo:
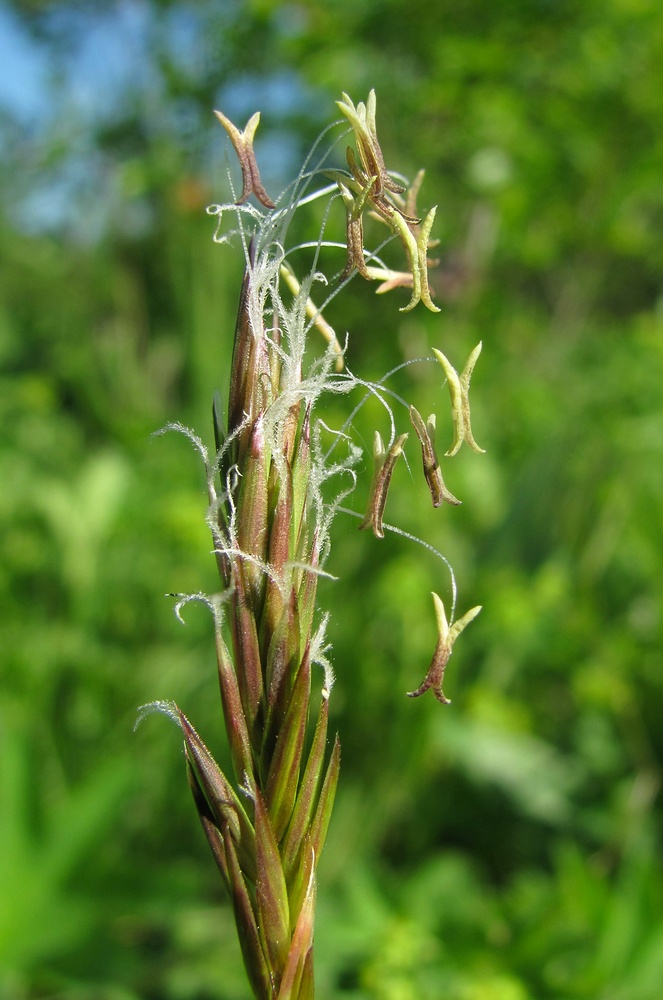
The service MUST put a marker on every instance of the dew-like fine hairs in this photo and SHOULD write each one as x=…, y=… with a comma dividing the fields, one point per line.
x=213, y=603
x=168, y=708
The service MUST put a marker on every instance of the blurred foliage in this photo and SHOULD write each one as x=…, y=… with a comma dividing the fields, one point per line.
x=505, y=848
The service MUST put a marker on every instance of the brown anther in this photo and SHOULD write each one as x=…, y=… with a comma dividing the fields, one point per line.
x=426, y=434
x=354, y=209
x=447, y=635
x=385, y=463
x=243, y=143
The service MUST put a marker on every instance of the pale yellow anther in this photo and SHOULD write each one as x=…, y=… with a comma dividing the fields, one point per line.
x=422, y=259
x=412, y=251
x=362, y=119
x=389, y=279
x=384, y=463
x=446, y=636
x=354, y=208
x=459, y=389
x=454, y=630
x=382, y=195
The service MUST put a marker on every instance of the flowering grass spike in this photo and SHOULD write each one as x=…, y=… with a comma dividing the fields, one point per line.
x=274, y=489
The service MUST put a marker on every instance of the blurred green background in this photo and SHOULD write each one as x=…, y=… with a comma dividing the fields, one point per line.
x=507, y=847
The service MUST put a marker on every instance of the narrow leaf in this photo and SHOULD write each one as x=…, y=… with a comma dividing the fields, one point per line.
x=280, y=550
x=276, y=590
x=233, y=713
x=286, y=762
x=282, y=665
x=326, y=801
x=210, y=829
x=246, y=647
x=225, y=806
x=298, y=884
x=255, y=962
x=301, y=477
x=306, y=983
x=299, y=969
x=252, y=511
x=307, y=795
x=271, y=894
x=307, y=590
x=242, y=352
